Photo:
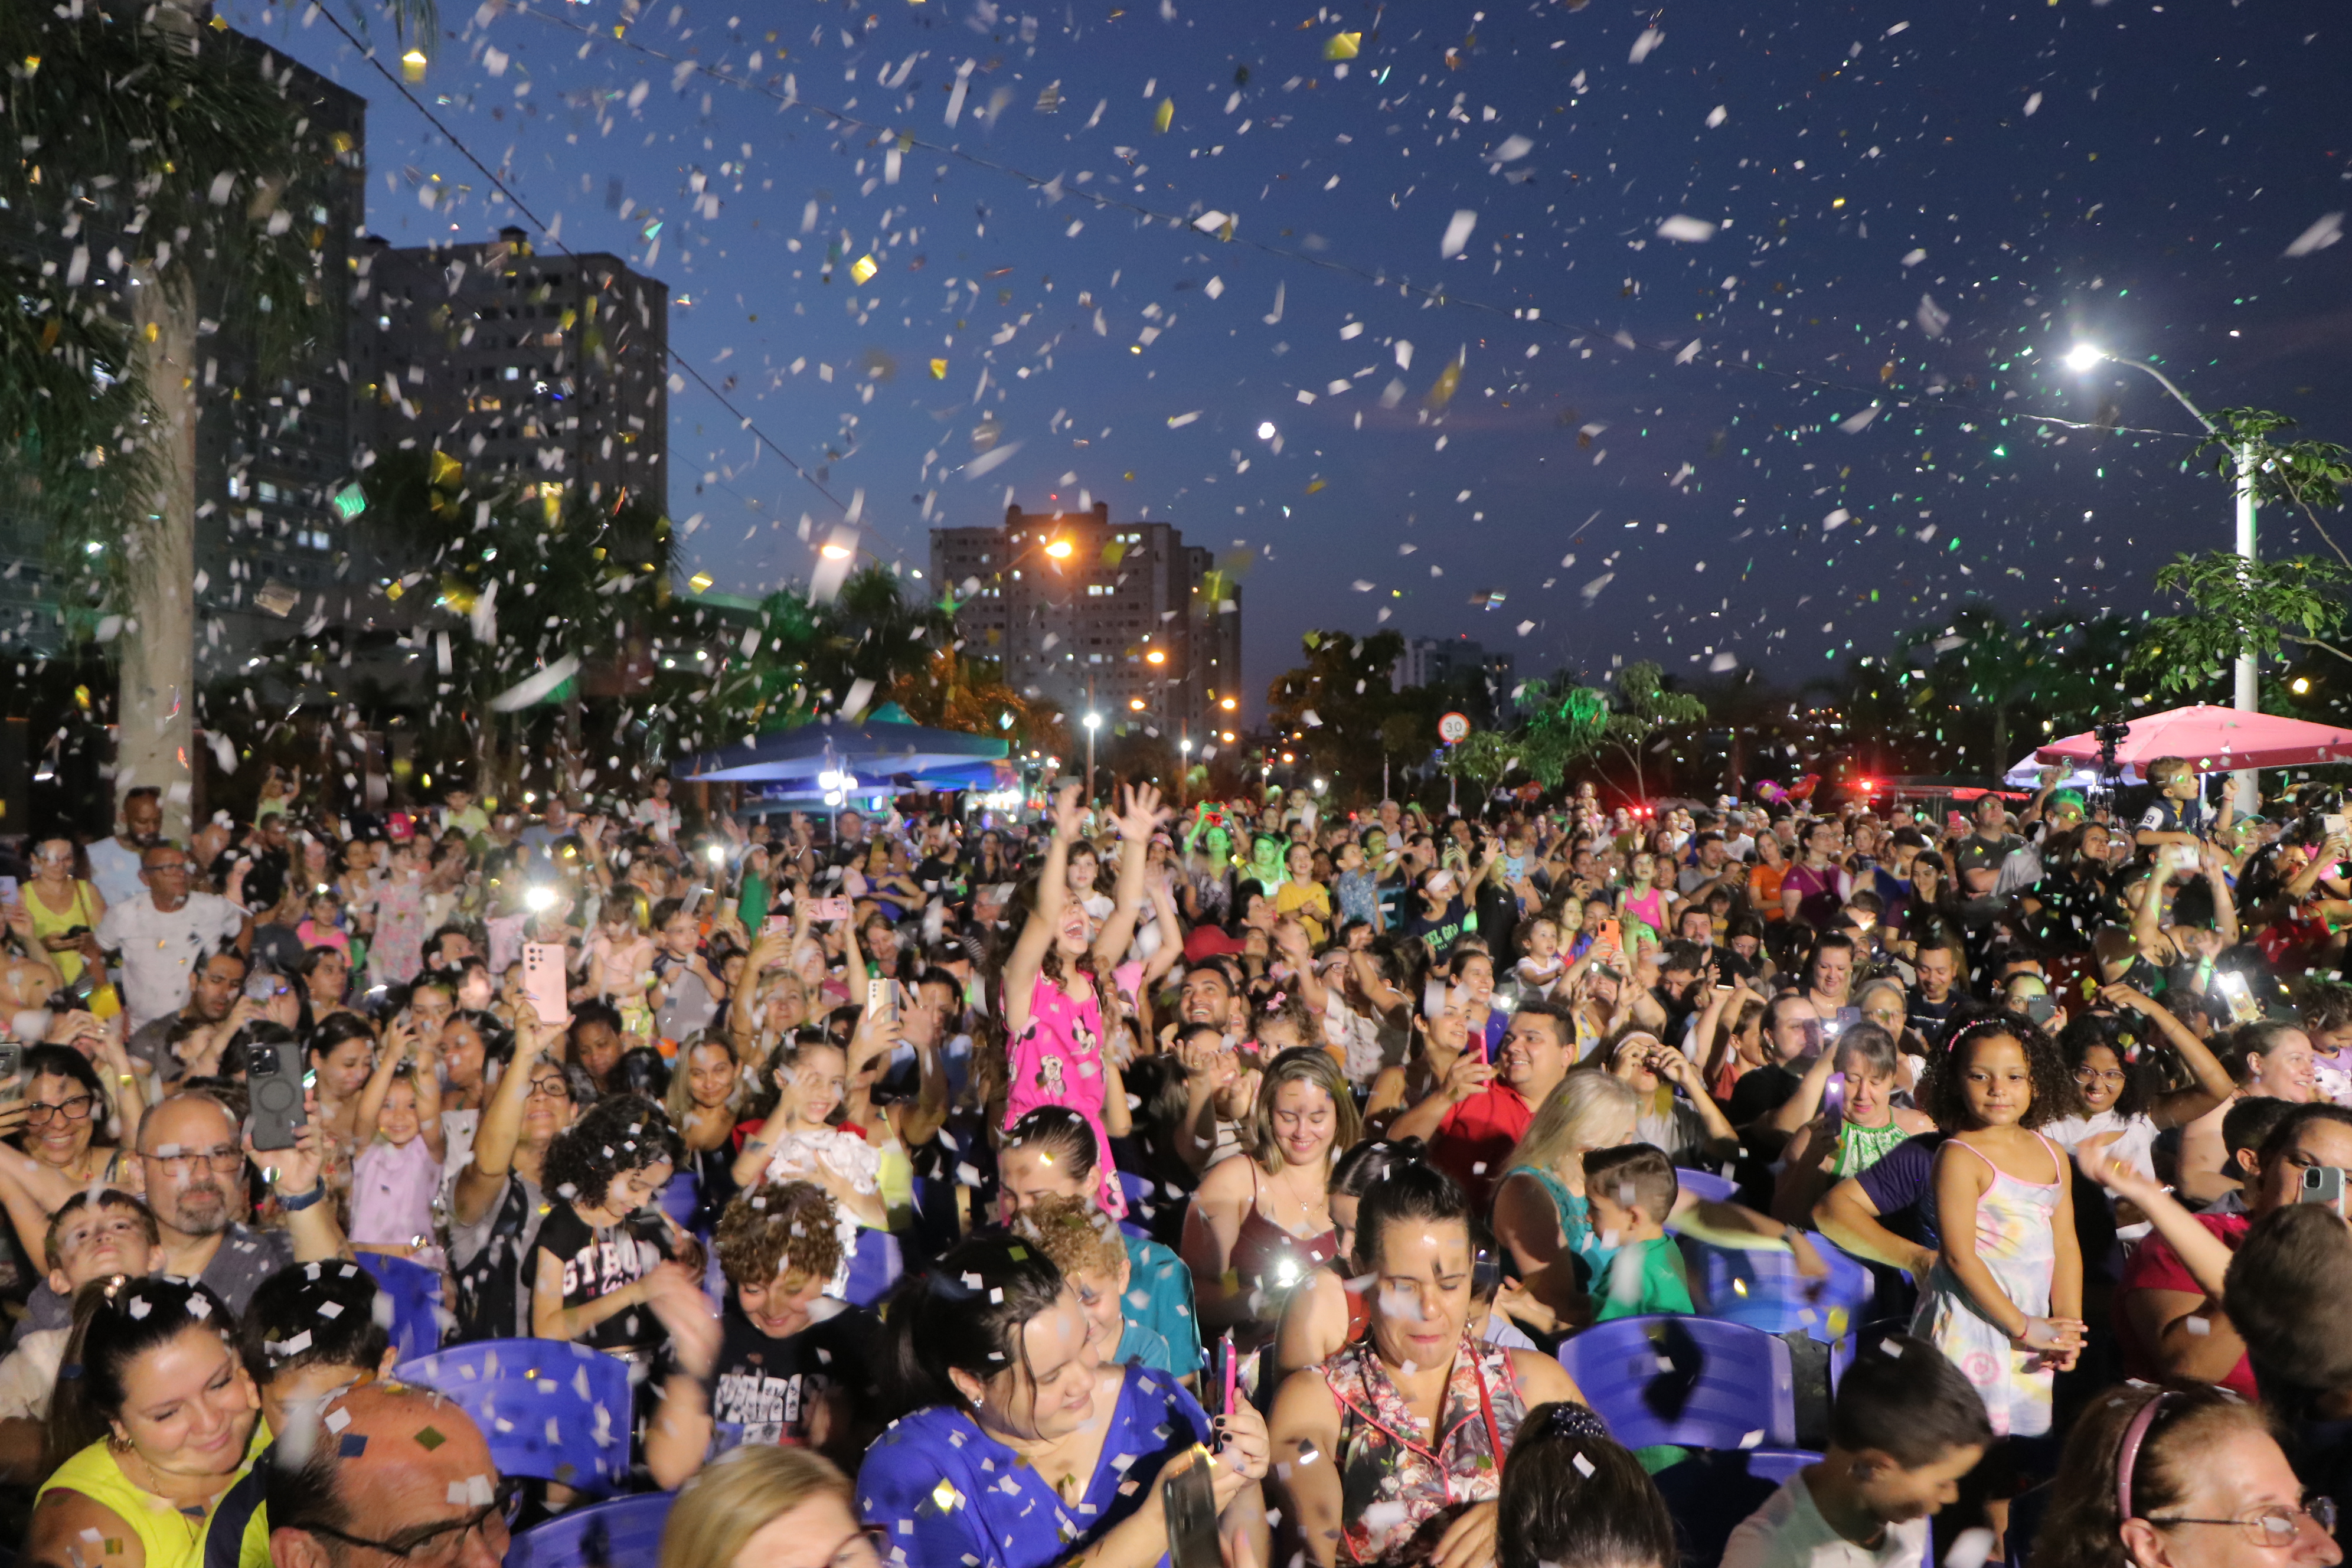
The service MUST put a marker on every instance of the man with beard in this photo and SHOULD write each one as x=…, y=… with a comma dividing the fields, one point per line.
x=194, y=1164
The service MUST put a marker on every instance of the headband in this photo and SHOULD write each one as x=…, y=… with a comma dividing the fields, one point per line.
x=2128, y=1456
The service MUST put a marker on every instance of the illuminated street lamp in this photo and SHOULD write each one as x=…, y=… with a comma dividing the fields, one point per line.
x=1094, y=722
x=2085, y=357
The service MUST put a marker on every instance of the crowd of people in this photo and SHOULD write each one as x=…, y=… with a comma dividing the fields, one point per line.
x=953, y=1187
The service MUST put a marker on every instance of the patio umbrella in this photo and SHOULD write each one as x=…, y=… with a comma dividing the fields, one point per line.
x=2213, y=741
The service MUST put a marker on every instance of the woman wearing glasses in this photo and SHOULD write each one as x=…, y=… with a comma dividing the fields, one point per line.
x=496, y=1204
x=68, y=1122
x=760, y=1506
x=161, y=1420
x=65, y=909
x=2188, y=1475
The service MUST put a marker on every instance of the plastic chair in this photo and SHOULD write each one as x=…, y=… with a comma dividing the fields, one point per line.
x=624, y=1532
x=681, y=1197
x=1707, y=1186
x=414, y=1292
x=1696, y=1383
x=1710, y=1494
x=875, y=1265
x=558, y=1411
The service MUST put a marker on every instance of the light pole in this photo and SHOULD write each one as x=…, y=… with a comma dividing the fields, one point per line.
x=1094, y=722
x=1183, y=769
x=2085, y=357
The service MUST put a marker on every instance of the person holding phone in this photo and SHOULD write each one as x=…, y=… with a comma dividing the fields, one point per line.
x=1018, y=1446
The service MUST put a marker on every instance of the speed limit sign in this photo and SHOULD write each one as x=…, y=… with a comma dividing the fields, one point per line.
x=1454, y=729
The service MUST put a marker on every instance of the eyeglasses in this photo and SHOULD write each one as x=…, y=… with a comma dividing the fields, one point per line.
x=167, y=869
x=224, y=1160
x=2277, y=1525
x=437, y=1544
x=76, y=1109
x=550, y=1089
x=2099, y=1075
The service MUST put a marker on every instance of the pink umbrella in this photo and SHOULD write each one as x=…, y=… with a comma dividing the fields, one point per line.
x=2214, y=740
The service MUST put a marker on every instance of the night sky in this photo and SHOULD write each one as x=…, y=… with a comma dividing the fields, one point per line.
x=1705, y=250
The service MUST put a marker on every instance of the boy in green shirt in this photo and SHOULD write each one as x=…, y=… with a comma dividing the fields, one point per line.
x=1631, y=1191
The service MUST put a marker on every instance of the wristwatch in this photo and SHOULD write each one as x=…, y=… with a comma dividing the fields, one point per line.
x=296, y=1205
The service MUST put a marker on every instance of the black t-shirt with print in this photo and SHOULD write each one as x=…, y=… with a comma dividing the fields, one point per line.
x=597, y=1262
x=761, y=1389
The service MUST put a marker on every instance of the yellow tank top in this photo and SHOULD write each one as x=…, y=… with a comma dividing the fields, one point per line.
x=171, y=1538
x=48, y=923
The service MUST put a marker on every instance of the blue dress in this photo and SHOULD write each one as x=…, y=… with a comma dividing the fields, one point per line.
x=948, y=1494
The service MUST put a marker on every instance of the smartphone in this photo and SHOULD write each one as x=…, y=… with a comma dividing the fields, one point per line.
x=1230, y=1373
x=7, y=889
x=261, y=985
x=273, y=1074
x=544, y=984
x=1833, y=1096
x=1191, y=1506
x=11, y=1072
x=2333, y=822
x=777, y=925
x=2322, y=1184
x=694, y=897
x=830, y=909
x=1612, y=935
x=882, y=997
x=2237, y=995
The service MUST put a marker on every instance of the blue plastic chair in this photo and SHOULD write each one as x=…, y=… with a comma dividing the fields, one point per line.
x=681, y=1197
x=414, y=1292
x=875, y=1265
x=1710, y=1494
x=558, y=1411
x=1696, y=1383
x=624, y=1532
x=1707, y=1186
x=1764, y=1290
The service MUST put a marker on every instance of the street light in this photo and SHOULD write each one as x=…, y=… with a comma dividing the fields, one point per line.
x=1060, y=550
x=2085, y=357
x=1094, y=722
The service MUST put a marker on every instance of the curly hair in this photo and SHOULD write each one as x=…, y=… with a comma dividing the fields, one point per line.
x=621, y=1133
x=1943, y=1093
x=778, y=1227
x=1079, y=1238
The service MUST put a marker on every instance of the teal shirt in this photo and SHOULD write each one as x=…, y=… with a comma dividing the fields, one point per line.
x=1159, y=1299
x=1138, y=1343
x=1643, y=1277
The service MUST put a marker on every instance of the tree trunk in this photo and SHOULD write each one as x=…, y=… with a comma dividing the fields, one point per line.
x=156, y=710
x=2000, y=741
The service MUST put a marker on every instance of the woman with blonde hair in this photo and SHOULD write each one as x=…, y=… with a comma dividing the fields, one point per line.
x=764, y=1506
x=1540, y=1213
x=1262, y=1224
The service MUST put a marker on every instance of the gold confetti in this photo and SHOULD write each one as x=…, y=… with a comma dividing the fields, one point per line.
x=700, y=582
x=863, y=270
x=1165, y=116
x=1342, y=45
x=1318, y=485
x=1442, y=393
x=938, y=370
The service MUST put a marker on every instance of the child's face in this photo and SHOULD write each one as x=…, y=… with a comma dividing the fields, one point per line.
x=1100, y=1296
x=2100, y=1078
x=781, y=1306
x=97, y=1243
x=1276, y=1033
x=1897, y=1495
x=679, y=935
x=1625, y=1222
x=300, y=1393
x=1998, y=1082
x=323, y=911
x=397, y=1121
x=344, y=1071
x=633, y=1190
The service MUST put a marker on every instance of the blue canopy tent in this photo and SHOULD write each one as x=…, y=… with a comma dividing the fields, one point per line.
x=885, y=742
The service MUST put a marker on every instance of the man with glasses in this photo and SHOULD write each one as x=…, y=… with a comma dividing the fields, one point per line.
x=165, y=934
x=402, y=1475
x=194, y=1164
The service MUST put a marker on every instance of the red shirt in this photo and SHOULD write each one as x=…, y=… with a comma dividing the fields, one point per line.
x=2154, y=1266
x=1475, y=1141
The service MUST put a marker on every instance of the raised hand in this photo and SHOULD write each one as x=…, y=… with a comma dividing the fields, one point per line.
x=1069, y=816
x=1140, y=812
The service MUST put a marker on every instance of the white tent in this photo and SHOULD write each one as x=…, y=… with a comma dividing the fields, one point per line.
x=2027, y=775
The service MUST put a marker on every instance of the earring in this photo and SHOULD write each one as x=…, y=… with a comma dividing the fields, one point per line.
x=117, y=1443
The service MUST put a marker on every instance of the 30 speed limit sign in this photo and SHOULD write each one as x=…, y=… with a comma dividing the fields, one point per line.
x=1454, y=729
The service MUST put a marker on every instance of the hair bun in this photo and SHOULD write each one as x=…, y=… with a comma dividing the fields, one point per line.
x=1408, y=1149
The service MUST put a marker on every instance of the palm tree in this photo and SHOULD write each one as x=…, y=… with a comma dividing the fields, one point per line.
x=149, y=158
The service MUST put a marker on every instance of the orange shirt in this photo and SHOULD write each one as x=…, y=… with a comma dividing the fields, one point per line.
x=1764, y=890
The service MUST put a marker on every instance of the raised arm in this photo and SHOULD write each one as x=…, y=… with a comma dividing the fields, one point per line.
x=478, y=1185
x=1138, y=817
x=397, y=1040
x=2214, y=1085
x=1036, y=937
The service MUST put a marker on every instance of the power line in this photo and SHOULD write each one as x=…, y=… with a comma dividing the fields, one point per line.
x=500, y=185
x=1377, y=277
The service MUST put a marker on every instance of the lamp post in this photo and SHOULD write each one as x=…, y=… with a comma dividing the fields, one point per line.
x=2085, y=357
x=1094, y=722
x=1183, y=769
